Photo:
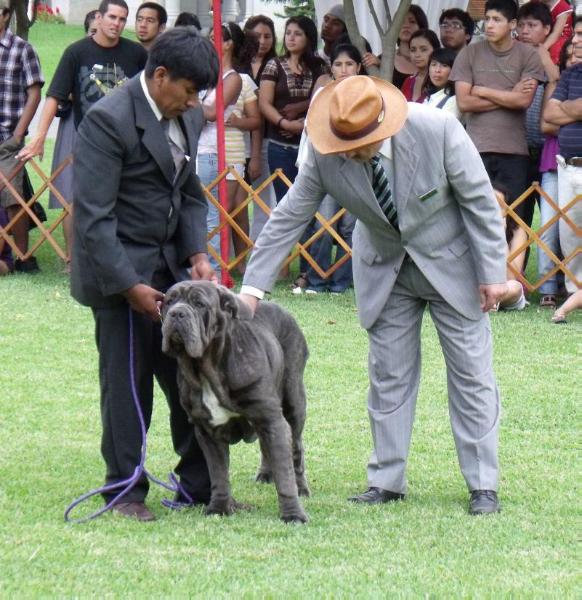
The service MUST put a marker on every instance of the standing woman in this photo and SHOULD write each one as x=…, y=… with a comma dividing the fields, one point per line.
x=422, y=44
x=242, y=120
x=263, y=29
x=207, y=155
x=284, y=94
x=346, y=61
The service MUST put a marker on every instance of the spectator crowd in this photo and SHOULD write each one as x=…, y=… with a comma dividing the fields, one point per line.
x=517, y=90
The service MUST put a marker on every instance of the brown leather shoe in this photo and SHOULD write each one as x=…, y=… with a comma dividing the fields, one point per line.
x=138, y=510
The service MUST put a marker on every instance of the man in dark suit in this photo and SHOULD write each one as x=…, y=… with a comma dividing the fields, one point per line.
x=139, y=226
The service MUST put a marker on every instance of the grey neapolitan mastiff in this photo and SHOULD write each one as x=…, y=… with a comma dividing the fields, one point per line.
x=240, y=377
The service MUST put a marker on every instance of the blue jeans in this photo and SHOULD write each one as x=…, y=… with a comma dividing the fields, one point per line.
x=284, y=158
x=551, y=236
x=321, y=250
x=207, y=170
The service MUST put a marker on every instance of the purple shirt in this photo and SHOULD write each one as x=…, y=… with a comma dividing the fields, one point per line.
x=548, y=156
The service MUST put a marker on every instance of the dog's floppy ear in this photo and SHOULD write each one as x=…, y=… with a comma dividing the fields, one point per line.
x=230, y=303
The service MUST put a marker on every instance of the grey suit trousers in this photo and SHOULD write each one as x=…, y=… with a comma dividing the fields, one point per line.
x=394, y=369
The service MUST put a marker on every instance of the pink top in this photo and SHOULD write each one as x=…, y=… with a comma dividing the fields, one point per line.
x=561, y=7
x=408, y=89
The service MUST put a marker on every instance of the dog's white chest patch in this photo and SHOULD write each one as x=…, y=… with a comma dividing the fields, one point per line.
x=218, y=414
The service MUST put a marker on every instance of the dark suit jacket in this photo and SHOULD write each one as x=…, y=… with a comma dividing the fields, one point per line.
x=129, y=207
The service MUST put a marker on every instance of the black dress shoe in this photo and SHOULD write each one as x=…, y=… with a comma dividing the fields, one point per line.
x=483, y=502
x=375, y=495
x=137, y=510
x=26, y=266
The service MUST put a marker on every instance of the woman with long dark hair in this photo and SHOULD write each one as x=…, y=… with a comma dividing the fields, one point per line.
x=422, y=44
x=207, y=155
x=285, y=91
x=262, y=29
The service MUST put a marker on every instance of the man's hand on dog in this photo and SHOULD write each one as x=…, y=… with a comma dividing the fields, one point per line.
x=145, y=300
x=250, y=301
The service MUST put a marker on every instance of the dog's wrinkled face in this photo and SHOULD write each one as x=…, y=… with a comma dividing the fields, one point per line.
x=194, y=314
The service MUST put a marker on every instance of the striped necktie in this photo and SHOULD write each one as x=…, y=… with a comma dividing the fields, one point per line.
x=382, y=191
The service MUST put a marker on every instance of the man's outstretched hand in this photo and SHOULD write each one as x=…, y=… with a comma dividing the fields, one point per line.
x=250, y=301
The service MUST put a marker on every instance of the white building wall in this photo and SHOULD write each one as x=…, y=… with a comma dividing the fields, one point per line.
x=74, y=11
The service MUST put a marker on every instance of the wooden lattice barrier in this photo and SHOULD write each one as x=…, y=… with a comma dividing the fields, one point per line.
x=227, y=218
x=535, y=236
x=26, y=208
x=253, y=195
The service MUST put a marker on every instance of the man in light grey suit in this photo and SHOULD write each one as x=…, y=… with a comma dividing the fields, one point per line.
x=429, y=231
x=139, y=226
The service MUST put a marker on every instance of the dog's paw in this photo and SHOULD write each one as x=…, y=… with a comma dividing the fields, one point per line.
x=224, y=508
x=298, y=517
x=264, y=477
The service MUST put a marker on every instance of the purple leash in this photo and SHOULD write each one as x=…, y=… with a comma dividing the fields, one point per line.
x=128, y=484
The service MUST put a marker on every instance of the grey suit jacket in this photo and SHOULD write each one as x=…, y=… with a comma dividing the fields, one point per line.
x=450, y=223
x=129, y=206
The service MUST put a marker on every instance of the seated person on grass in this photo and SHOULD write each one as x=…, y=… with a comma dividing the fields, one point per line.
x=572, y=303
x=514, y=299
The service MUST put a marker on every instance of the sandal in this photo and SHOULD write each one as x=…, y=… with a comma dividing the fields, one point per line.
x=559, y=318
x=301, y=281
x=548, y=301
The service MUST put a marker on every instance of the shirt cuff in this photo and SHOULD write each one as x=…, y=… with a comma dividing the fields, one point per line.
x=252, y=291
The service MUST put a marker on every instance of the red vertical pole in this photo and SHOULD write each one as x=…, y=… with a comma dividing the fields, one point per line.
x=225, y=279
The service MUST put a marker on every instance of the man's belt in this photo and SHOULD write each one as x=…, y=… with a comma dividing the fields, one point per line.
x=575, y=161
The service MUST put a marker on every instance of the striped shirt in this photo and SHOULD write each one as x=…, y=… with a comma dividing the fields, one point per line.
x=19, y=69
x=570, y=88
x=234, y=139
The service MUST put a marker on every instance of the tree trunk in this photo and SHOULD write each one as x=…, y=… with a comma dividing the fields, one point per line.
x=388, y=37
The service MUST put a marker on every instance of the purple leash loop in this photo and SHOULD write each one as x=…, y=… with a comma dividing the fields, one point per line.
x=128, y=484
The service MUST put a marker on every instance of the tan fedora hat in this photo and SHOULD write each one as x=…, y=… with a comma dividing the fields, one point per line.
x=355, y=112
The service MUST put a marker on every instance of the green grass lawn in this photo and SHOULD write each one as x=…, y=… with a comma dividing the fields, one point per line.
x=426, y=545
x=49, y=454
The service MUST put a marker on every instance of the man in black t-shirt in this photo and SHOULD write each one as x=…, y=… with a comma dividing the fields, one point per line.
x=88, y=70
